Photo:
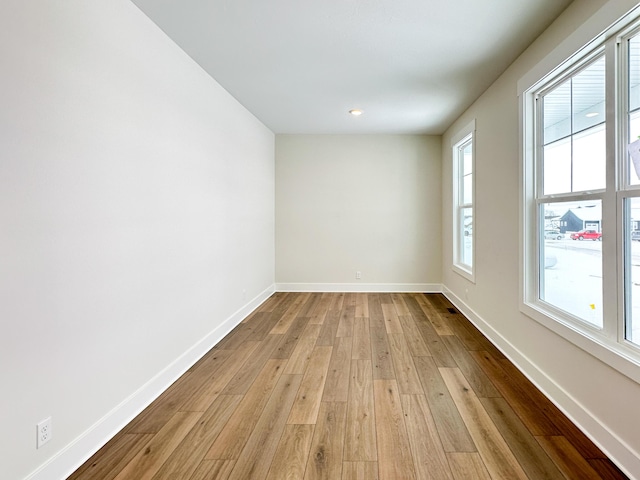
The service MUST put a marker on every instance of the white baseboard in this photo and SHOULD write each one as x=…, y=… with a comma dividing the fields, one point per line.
x=67, y=460
x=622, y=454
x=360, y=287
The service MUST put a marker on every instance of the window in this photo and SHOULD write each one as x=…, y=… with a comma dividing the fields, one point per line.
x=581, y=199
x=571, y=160
x=463, y=200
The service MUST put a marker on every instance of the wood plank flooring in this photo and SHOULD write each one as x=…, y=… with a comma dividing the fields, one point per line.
x=351, y=386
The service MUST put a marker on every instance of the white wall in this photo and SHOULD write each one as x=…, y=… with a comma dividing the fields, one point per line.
x=604, y=402
x=136, y=222
x=368, y=203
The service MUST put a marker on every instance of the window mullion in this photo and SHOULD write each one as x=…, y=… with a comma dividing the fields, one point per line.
x=613, y=245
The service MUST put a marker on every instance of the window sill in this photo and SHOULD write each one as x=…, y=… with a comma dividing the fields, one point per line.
x=463, y=272
x=624, y=360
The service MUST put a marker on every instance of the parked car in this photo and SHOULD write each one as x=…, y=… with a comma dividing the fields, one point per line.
x=635, y=235
x=553, y=235
x=586, y=235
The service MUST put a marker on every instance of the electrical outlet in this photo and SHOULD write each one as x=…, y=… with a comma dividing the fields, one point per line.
x=358, y=275
x=44, y=432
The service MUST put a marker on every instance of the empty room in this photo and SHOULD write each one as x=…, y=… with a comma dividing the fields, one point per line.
x=338, y=240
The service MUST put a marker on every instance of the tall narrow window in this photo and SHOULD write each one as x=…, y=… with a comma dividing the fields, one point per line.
x=463, y=192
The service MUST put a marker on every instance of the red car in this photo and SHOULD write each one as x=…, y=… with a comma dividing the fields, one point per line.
x=586, y=234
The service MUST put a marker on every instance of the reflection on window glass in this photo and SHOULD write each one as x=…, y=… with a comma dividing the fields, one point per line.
x=634, y=107
x=467, y=174
x=573, y=113
x=589, y=159
x=557, y=113
x=587, y=96
x=632, y=270
x=557, y=167
x=467, y=196
x=571, y=258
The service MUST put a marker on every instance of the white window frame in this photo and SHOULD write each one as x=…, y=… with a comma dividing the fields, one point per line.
x=461, y=139
x=608, y=344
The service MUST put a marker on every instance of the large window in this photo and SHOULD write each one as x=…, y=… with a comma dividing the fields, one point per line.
x=581, y=198
x=463, y=199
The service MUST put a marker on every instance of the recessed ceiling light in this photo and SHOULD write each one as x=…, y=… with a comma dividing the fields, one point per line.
x=591, y=114
x=355, y=112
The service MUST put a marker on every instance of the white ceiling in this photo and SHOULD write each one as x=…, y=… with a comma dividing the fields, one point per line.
x=412, y=66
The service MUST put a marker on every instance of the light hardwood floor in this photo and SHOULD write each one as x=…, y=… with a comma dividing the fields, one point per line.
x=351, y=386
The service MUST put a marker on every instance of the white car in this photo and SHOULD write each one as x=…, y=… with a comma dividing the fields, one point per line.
x=553, y=235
